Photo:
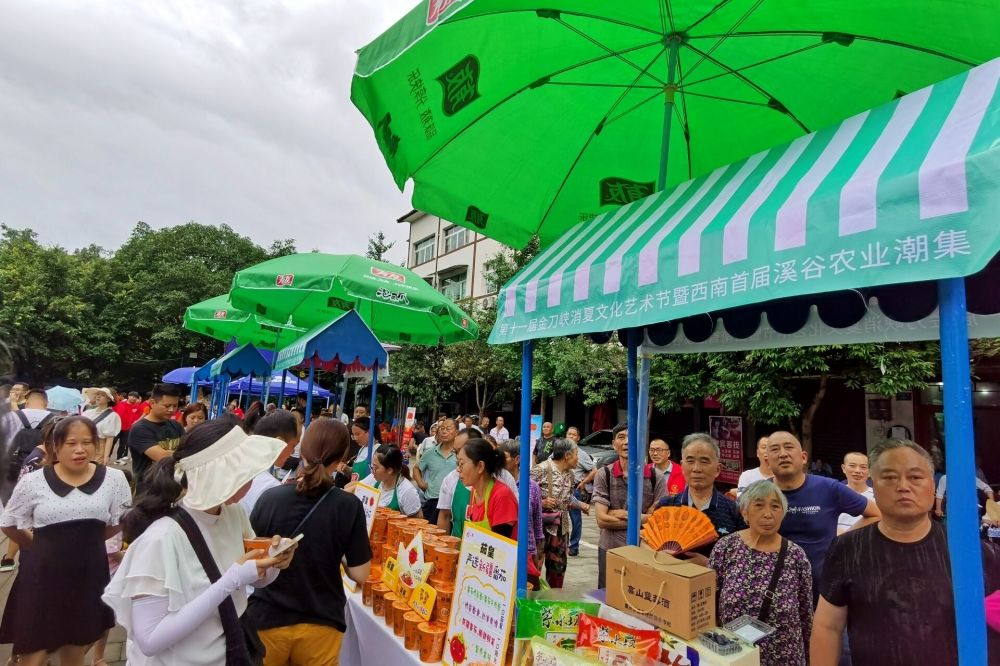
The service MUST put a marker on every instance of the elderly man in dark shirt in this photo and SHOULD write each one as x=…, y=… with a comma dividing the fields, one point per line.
x=700, y=462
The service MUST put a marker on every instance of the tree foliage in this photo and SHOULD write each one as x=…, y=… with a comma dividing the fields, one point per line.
x=378, y=246
x=95, y=316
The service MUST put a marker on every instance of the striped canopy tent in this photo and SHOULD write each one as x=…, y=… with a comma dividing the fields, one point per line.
x=242, y=361
x=332, y=346
x=876, y=229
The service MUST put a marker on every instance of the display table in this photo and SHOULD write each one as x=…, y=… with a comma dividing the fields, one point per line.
x=369, y=641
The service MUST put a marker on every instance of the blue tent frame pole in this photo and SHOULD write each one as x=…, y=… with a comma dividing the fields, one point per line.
x=194, y=388
x=634, y=471
x=668, y=110
x=963, y=515
x=523, y=517
x=371, y=410
x=281, y=396
x=342, y=398
x=250, y=390
x=309, y=393
x=642, y=408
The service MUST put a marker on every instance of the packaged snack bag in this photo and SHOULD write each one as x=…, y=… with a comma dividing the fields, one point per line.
x=555, y=621
x=543, y=653
x=615, y=644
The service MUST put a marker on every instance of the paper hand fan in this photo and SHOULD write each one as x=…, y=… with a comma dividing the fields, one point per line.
x=678, y=529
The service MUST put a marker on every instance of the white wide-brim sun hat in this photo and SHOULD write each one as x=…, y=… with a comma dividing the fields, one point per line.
x=215, y=474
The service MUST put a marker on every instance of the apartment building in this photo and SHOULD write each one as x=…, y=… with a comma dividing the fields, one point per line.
x=450, y=257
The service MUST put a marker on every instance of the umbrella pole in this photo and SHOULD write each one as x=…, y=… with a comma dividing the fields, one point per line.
x=523, y=517
x=668, y=110
x=634, y=471
x=963, y=515
x=250, y=391
x=371, y=425
x=281, y=396
x=309, y=393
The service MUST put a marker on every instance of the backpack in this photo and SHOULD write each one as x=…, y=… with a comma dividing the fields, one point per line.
x=24, y=442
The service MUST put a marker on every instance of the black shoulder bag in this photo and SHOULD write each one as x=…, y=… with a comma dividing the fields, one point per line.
x=243, y=645
x=770, y=595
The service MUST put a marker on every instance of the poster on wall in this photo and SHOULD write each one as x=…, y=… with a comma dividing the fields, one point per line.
x=483, y=606
x=536, y=431
x=408, y=422
x=728, y=432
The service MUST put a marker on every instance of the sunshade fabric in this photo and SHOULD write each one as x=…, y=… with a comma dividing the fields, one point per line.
x=241, y=361
x=514, y=117
x=217, y=318
x=904, y=193
x=293, y=386
x=314, y=288
x=345, y=340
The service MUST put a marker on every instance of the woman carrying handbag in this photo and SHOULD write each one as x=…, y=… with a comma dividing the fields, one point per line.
x=555, y=478
x=181, y=588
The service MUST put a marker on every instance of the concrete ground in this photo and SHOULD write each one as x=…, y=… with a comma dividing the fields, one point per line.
x=581, y=577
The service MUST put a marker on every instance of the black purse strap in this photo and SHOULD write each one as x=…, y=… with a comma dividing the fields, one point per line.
x=236, y=649
x=769, y=594
x=298, y=528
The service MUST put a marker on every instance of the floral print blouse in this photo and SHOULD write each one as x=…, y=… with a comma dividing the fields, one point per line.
x=743, y=575
x=558, y=485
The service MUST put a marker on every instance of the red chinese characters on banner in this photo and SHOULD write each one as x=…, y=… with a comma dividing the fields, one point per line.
x=728, y=432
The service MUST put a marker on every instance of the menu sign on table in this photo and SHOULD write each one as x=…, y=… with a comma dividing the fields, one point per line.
x=369, y=497
x=482, y=610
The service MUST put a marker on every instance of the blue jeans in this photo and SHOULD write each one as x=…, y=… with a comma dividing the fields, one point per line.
x=576, y=525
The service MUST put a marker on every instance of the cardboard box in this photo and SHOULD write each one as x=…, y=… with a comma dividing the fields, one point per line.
x=672, y=594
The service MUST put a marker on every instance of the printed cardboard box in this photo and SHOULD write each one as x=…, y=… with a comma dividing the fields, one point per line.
x=672, y=594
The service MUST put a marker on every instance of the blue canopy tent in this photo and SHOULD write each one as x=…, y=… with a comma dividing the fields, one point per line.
x=332, y=346
x=292, y=387
x=240, y=362
x=882, y=228
x=192, y=376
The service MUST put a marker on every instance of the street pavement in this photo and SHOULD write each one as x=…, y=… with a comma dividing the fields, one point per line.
x=581, y=577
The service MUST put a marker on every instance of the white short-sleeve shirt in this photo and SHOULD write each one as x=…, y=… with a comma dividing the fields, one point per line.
x=41, y=498
x=109, y=426
x=162, y=563
x=407, y=496
x=450, y=483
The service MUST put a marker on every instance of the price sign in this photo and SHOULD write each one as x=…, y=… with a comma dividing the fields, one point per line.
x=390, y=574
x=422, y=600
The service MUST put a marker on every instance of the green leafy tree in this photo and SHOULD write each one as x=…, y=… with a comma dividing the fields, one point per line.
x=490, y=371
x=419, y=374
x=378, y=246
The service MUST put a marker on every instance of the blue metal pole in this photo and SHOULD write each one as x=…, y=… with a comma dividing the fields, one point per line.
x=250, y=390
x=634, y=472
x=194, y=388
x=964, y=547
x=309, y=393
x=668, y=110
x=284, y=377
x=343, y=388
x=226, y=380
x=371, y=410
x=523, y=517
x=642, y=428
x=212, y=398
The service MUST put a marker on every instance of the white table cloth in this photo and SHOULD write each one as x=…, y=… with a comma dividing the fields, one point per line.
x=369, y=641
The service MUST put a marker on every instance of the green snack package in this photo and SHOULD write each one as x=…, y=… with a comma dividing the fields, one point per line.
x=554, y=621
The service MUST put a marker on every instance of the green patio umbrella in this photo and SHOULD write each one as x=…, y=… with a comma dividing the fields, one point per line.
x=514, y=117
x=311, y=289
x=217, y=318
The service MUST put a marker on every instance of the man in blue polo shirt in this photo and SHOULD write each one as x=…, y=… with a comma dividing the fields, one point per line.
x=700, y=462
x=814, y=502
x=435, y=464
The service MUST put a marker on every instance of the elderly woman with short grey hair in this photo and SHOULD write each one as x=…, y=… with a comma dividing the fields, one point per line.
x=554, y=477
x=763, y=575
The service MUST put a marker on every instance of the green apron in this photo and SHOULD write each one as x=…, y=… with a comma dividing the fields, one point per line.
x=394, y=503
x=459, y=506
x=360, y=466
x=485, y=522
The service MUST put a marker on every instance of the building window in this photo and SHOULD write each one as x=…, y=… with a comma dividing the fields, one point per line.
x=423, y=251
x=453, y=285
x=454, y=238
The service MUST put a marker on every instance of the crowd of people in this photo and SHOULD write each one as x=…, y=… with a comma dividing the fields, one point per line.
x=177, y=527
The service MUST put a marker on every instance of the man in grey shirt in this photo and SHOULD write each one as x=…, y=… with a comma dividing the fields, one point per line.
x=581, y=492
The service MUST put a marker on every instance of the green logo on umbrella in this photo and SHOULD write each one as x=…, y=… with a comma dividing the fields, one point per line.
x=460, y=85
x=620, y=191
x=476, y=217
x=390, y=141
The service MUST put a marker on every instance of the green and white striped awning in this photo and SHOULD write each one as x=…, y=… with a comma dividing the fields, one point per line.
x=907, y=192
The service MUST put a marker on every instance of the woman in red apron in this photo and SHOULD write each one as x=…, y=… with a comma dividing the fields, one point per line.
x=493, y=505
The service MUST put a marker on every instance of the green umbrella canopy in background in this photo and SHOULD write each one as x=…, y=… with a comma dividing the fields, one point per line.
x=217, y=318
x=313, y=288
x=516, y=117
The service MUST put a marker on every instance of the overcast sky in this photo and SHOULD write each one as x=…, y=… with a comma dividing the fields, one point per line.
x=218, y=111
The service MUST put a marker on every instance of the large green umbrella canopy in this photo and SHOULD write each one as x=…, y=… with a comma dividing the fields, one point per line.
x=517, y=117
x=217, y=318
x=397, y=304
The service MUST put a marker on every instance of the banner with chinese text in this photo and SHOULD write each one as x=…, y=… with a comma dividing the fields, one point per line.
x=728, y=432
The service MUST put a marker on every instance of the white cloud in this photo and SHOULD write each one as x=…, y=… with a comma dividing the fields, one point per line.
x=221, y=111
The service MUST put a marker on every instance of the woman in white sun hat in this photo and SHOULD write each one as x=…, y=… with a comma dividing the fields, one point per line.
x=189, y=522
x=109, y=424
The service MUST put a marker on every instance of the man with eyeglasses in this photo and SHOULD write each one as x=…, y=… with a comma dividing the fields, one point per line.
x=855, y=468
x=659, y=455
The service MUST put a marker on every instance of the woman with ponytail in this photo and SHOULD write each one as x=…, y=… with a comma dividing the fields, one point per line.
x=493, y=505
x=301, y=616
x=392, y=478
x=183, y=530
